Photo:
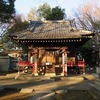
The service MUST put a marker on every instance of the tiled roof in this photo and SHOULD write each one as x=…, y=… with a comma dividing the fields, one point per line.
x=50, y=30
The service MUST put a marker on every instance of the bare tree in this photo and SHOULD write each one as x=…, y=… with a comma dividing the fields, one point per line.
x=88, y=16
x=15, y=25
x=4, y=27
x=33, y=14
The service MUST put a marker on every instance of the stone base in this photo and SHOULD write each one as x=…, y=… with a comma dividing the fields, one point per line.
x=54, y=74
x=35, y=74
x=62, y=74
x=27, y=90
x=50, y=74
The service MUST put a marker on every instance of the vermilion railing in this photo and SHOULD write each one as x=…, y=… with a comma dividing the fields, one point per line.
x=80, y=65
x=24, y=64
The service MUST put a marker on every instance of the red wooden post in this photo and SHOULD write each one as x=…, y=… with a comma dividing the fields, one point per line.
x=64, y=62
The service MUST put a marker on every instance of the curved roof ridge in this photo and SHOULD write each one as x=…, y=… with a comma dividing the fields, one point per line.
x=50, y=21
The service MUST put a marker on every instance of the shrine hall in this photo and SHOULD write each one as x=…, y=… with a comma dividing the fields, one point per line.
x=53, y=47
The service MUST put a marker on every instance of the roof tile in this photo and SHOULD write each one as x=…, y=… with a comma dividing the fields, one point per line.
x=50, y=30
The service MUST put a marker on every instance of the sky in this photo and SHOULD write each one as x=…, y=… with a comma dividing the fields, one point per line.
x=24, y=6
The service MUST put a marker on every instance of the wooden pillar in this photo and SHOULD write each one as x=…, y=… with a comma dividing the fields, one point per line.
x=29, y=55
x=36, y=63
x=83, y=66
x=35, y=68
x=64, y=63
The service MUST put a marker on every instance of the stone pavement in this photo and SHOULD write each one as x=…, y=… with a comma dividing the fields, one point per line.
x=44, y=87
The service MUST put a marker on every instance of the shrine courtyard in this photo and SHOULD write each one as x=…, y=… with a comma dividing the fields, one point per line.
x=28, y=87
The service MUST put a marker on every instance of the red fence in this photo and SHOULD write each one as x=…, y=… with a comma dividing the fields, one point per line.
x=25, y=64
x=80, y=65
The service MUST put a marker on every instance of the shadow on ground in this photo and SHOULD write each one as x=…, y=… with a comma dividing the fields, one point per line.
x=48, y=88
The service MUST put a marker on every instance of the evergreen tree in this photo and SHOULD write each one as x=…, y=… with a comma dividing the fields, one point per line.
x=7, y=10
x=48, y=13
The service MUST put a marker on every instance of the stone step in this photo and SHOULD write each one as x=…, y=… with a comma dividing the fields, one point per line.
x=96, y=75
x=88, y=77
x=40, y=78
x=97, y=82
x=31, y=78
x=27, y=90
x=97, y=87
x=76, y=78
x=98, y=79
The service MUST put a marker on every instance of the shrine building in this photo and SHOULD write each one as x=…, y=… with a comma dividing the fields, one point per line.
x=53, y=47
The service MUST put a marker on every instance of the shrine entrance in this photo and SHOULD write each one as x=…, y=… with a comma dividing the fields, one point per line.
x=58, y=61
x=50, y=60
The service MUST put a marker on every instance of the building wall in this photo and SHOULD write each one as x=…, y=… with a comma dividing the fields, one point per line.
x=51, y=60
x=50, y=57
x=4, y=63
